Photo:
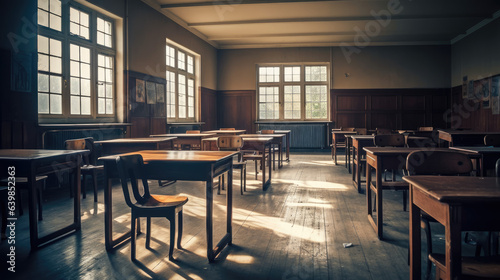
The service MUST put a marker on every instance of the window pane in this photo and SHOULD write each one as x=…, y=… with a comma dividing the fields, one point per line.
x=85, y=105
x=101, y=106
x=43, y=62
x=316, y=102
x=75, y=105
x=316, y=73
x=43, y=83
x=269, y=74
x=55, y=84
x=292, y=74
x=55, y=104
x=79, y=22
x=43, y=44
x=190, y=63
x=43, y=103
x=181, y=60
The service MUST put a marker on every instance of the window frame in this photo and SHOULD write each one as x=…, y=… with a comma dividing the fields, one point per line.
x=184, y=71
x=302, y=83
x=67, y=39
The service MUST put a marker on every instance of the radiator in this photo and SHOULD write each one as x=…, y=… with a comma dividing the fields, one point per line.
x=54, y=139
x=303, y=136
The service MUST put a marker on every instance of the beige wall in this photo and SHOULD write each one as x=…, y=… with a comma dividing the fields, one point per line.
x=372, y=67
x=477, y=55
x=148, y=30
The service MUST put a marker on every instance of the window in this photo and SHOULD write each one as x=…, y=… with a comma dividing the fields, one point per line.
x=75, y=62
x=292, y=92
x=181, y=84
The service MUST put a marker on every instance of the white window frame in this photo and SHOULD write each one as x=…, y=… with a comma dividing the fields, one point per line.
x=302, y=84
x=190, y=89
x=96, y=49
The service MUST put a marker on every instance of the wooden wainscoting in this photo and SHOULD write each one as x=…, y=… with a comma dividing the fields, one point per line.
x=390, y=108
x=238, y=109
x=208, y=109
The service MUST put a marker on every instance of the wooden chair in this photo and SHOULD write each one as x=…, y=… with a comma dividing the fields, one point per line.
x=347, y=128
x=436, y=163
x=379, y=131
x=148, y=205
x=492, y=140
x=392, y=140
x=228, y=128
x=89, y=166
x=193, y=132
x=234, y=143
x=3, y=211
x=426, y=128
x=361, y=131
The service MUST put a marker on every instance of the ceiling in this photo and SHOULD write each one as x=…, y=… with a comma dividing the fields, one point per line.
x=232, y=24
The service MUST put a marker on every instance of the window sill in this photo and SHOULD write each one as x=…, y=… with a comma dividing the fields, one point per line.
x=81, y=125
x=291, y=122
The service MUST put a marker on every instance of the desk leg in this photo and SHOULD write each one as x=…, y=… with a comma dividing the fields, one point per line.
x=288, y=147
x=415, y=241
x=378, y=194
x=209, y=214
x=229, y=206
x=334, y=147
x=453, y=248
x=32, y=209
x=280, y=155
x=108, y=219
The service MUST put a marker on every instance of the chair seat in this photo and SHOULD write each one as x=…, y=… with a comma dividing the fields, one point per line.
x=157, y=200
x=473, y=267
x=253, y=156
x=398, y=185
x=88, y=168
x=239, y=165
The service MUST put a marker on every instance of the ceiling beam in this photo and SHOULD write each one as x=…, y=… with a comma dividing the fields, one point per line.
x=331, y=44
x=235, y=2
x=339, y=19
x=285, y=35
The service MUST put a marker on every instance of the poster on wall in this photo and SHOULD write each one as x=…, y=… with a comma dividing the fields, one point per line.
x=494, y=95
x=151, y=92
x=139, y=91
x=478, y=91
x=464, y=87
x=470, y=90
x=486, y=93
x=160, y=93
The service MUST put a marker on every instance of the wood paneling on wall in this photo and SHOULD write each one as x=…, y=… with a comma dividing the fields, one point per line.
x=470, y=115
x=389, y=108
x=237, y=109
x=208, y=109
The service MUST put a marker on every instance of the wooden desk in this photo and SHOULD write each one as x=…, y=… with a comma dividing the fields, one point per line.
x=184, y=139
x=219, y=132
x=380, y=159
x=488, y=156
x=457, y=202
x=29, y=164
x=358, y=143
x=125, y=145
x=463, y=137
x=278, y=139
x=178, y=165
x=338, y=137
x=288, y=135
x=249, y=143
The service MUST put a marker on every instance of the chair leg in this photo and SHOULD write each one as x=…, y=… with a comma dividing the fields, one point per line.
x=179, y=234
x=241, y=179
x=132, y=238
x=256, y=170
x=84, y=184
x=94, y=179
x=245, y=178
x=148, y=232
x=39, y=200
x=223, y=181
x=428, y=236
x=218, y=186
x=172, y=238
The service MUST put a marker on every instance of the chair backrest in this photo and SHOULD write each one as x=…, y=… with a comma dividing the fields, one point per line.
x=497, y=168
x=267, y=131
x=379, y=131
x=426, y=128
x=193, y=132
x=229, y=143
x=83, y=144
x=438, y=163
x=492, y=140
x=347, y=128
x=228, y=128
x=389, y=140
x=131, y=167
x=361, y=131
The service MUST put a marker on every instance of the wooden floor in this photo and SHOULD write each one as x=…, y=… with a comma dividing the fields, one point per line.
x=294, y=230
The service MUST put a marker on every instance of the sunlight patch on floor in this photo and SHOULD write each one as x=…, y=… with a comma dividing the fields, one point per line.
x=318, y=162
x=243, y=259
x=313, y=184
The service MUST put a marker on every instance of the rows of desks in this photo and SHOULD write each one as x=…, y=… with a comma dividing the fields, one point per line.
x=459, y=203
